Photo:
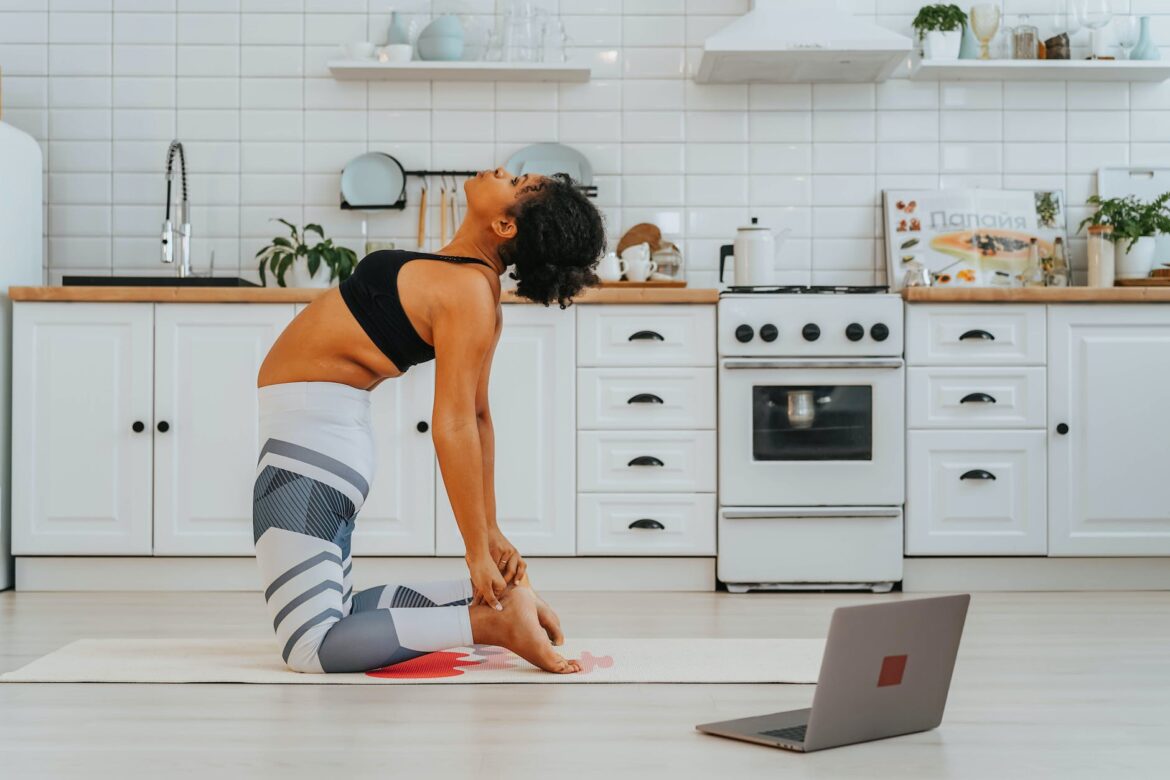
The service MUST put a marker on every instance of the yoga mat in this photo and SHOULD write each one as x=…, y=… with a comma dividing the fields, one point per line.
x=603, y=661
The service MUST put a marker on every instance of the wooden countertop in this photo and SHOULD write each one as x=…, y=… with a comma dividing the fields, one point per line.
x=162, y=294
x=1038, y=295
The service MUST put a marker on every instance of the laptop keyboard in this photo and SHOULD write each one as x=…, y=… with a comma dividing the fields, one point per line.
x=792, y=734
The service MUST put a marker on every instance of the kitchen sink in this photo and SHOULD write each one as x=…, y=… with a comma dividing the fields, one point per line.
x=156, y=281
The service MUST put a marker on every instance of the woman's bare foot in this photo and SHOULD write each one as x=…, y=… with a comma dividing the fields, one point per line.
x=517, y=627
x=548, y=618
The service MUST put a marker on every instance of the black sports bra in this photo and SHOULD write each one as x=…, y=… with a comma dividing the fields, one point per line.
x=371, y=293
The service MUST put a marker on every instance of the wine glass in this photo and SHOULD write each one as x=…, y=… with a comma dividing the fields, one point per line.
x=1094, y=14
x=1127, y=30
x=985, y=23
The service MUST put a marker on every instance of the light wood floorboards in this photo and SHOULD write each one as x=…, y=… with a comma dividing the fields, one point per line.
x=1048, y=685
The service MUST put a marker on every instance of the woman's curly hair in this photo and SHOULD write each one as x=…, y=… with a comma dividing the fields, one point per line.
x=559, y=239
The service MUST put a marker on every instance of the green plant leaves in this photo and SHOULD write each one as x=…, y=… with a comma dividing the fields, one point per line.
x=1129, y=217
x=944, y=17
x=280, y=254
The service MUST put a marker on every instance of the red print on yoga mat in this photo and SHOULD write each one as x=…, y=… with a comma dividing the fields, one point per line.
x=486, y=657
x=893, y=666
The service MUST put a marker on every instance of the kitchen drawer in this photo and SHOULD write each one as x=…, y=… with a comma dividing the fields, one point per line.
x=976, y=493
x=662, y=335
x=645, y=524
x=971, y=335
x=671, y=398
x=940, y=397
x=646, y=461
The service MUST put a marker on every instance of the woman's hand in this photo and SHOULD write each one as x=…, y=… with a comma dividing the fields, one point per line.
x=507, y=558
x=486, y=581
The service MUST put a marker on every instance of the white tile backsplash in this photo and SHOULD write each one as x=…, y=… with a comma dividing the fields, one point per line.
x=105, y=85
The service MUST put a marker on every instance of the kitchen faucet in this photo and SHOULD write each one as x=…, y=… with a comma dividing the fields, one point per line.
x=183, y=248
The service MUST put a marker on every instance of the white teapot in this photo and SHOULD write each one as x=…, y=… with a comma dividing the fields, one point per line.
x=610, y=267
x=754, y=255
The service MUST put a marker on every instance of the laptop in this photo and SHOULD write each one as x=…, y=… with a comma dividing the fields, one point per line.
x=886, y=671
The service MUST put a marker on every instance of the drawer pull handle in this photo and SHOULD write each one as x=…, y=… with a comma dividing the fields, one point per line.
x=647, y=524
x=977, y=398
x=138, y=426
x=646, y=335
x=645, y=460
x=977, y=474
x=645, y=398
x=980, y=334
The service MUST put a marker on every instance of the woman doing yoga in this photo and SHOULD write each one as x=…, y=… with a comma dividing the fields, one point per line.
x=317, y=458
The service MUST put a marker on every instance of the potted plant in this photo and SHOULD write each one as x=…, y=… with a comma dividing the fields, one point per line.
x=320, y=265
x=940, y=27
x=1135, y=225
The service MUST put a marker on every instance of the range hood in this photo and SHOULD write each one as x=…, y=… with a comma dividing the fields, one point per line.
x=781, y=41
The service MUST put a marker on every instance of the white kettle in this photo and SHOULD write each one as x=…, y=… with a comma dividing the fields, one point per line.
x=754, y=254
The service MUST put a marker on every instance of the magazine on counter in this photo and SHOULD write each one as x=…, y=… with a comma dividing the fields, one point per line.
x=966, y=238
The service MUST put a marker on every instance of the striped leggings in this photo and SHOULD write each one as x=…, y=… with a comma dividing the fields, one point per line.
x=312, y=477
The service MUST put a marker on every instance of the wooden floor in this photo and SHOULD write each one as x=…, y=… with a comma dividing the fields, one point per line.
x=1048, y=685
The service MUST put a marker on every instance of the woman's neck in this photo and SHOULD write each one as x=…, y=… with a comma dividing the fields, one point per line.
x=464, y=244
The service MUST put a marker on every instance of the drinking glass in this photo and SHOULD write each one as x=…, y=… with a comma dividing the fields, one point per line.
x=984, y=23
x=1127, y=29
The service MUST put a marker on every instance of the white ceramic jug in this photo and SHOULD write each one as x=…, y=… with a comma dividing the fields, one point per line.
x=754, y=254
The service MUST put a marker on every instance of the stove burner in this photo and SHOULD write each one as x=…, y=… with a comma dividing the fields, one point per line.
x=809, y=290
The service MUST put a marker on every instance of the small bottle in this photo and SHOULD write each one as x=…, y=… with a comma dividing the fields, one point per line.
x=1058, y=273
x=1033, y=275
x=1101, y=257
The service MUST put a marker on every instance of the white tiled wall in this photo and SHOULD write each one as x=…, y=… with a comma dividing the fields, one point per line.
x=105, y=85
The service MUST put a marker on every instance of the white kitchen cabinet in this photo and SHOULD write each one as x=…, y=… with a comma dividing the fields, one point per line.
x=81, y=429
x=206, y=432
x=975, y=493
x=1109, y=370
x=966, y=334
x=533, y=407
x=398, y=517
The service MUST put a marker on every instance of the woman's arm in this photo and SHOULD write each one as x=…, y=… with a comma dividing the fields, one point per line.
x=463, y=328
x=511, y=564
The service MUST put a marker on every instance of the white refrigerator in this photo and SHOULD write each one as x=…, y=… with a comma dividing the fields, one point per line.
x=21, y=263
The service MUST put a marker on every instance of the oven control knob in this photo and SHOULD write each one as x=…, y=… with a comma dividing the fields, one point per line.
x=854, y=331
x=769, y=332
x=879, y=332
x=811, y=332
x=744, y=333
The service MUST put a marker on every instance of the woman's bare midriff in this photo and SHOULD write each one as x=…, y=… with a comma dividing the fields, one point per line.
x=326, y=344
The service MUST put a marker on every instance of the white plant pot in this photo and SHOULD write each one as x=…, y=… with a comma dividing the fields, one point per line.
x=300, y=277
x=943, y=45
x=1136, y=261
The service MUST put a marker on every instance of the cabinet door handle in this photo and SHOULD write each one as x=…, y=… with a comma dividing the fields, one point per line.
x=977, y=474
x=977, y=334
x=645, y=398
x=138, y=426
x=422, y=426
x=163, y=426
x=647, y=524
x=646, y=335
x=645, y=460
x=977, y=398
x=1062, y=428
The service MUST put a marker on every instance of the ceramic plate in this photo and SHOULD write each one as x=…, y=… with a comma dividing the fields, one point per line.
x=374, y=180
x=547, y=159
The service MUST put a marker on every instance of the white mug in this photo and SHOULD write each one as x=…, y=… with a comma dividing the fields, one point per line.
x=396, y=52
x=639, y=269
x=636, y=252
x=359, y=50
x=610, y=268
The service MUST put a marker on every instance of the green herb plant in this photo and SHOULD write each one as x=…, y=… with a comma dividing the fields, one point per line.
x=1129, y=217
x=943, y=17
x=282, y=252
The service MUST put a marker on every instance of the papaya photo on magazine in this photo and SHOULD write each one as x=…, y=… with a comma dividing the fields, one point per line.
x=971, y=237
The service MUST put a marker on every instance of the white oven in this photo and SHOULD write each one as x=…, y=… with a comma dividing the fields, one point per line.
x=811, y=432
x=811, y=439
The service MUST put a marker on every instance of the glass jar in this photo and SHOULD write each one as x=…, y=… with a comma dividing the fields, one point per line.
x=1025, y=40
x=669, y=260
x=1033, y=274
x=1101, y=257
x=1058, y=273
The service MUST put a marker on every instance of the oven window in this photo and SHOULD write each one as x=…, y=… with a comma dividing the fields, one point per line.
x=815, y=422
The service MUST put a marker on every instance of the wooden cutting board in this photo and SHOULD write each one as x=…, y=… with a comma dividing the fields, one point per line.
x=652, y=283
x=1152, y=281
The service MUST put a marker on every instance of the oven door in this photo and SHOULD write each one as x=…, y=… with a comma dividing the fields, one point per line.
x=811, y=432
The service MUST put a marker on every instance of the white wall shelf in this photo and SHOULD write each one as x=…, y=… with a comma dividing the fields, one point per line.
x=1040, y=70
x=369, y=70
